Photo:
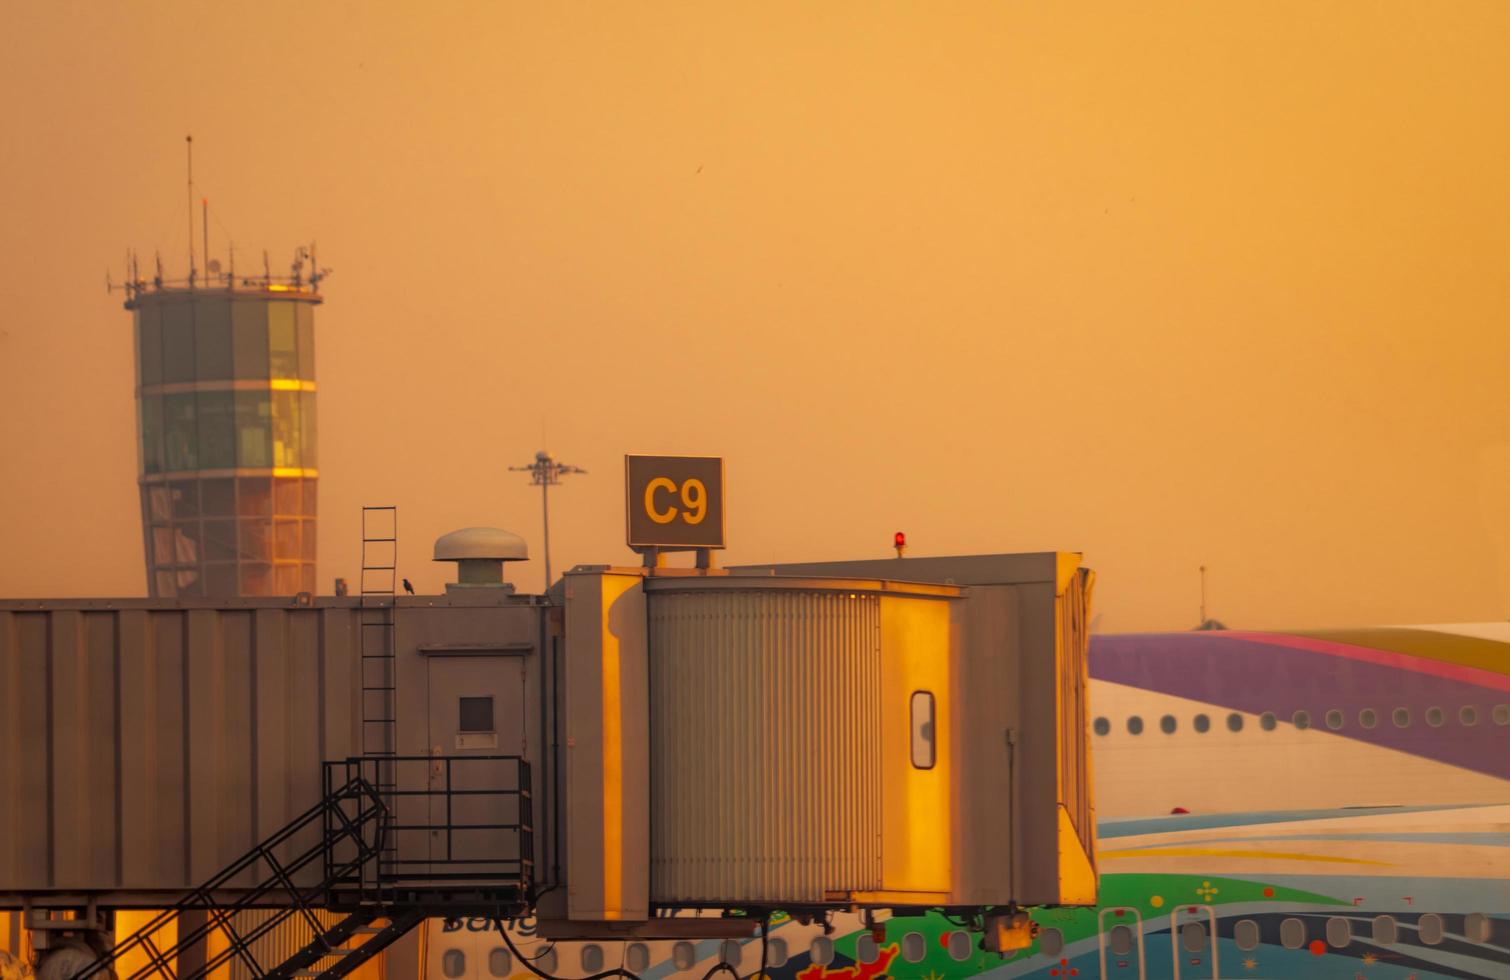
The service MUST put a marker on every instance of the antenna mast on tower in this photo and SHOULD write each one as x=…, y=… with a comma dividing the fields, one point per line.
x=189, y=142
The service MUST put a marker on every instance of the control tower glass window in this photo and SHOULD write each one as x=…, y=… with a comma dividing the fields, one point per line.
x=180, y=434
x=282, y=341
x=217, y=430
x=212, y=340
x=149, y=339
x=304, y=325
x=152, y=433
x=254, y=429
x=307, y=441
x=178, y=342
x=249, y=339
x=285, y=418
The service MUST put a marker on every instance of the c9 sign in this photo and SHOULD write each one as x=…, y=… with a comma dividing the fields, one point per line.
x=694, y=498
x=674, y=502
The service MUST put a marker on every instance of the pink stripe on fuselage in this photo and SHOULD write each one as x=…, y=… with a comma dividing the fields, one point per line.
x=1387, y=658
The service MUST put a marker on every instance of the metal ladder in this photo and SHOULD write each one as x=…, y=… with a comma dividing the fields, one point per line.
x=376, y=618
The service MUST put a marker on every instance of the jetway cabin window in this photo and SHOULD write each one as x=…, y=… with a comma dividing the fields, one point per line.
x=923, y=729
x=476, y=715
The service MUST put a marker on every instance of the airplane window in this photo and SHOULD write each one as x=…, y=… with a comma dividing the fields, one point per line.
x=546, y=961
x=1102, y=726
x=1245, y=933
x=821, y=951
x=1385, y=933
x=683, y=954
x=1135, y=725
x=1368, y=718
x=730, y=952
x=1476, y=927
x=454, y=963
x=959, y=944
x=1434, y=717
x=1301, y=719
x=1167, y=724
x=914, y=947
x=1502, y=714
x=1202, y=724
x=637, y=956
x=1292, y=933
x=1050, y=942
x=1334, y=719
x=1339, y=932
x=1402, y=717
x=592, y=957
x=775, y=953
x=1193, y=936
x=1468, y=715
x=1267, y=721
x=865, y=949
x=499, y=962
x=1234, y=722
x=1120, y=940
x=1429, y=928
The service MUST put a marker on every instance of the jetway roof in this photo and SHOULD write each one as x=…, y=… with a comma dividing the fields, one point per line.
x=1017, y=569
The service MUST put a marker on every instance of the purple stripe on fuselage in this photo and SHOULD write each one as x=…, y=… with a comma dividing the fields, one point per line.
x=1249, y=675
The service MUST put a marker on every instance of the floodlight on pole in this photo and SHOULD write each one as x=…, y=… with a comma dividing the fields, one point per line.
x=545, y=473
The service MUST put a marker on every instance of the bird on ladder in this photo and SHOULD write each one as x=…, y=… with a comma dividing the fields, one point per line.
x=408, y=588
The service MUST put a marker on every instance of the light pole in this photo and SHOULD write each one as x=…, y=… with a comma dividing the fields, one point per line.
x=545, y=473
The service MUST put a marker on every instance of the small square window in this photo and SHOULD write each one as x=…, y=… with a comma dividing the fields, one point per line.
x=476, y=715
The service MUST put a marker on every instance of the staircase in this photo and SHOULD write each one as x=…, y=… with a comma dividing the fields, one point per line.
x=349, y=822
x=331, y=875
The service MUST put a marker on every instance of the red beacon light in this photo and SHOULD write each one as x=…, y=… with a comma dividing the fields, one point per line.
x=899, y=542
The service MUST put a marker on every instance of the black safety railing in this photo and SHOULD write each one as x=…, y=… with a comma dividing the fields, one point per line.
x=456, y=823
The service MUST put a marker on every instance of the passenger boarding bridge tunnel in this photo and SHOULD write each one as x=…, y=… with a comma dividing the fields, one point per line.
x=900, y=734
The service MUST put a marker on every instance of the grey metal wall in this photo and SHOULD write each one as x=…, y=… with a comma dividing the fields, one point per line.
x=788, y=683
x=144, y=748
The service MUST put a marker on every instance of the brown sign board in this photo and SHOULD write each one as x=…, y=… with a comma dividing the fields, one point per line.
x=674, y=502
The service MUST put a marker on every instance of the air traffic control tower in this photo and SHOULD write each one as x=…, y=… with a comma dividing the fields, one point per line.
x=225, y=390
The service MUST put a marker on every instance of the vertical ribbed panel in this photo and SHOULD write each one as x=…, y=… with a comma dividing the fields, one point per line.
x=765, y=728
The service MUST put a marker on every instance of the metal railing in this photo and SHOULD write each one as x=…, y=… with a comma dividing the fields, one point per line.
x=457, y=823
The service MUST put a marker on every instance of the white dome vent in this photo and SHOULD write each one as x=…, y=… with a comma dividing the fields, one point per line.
x=479, y=553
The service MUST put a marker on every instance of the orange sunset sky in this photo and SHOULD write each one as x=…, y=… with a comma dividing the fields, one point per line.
x=1170, y=284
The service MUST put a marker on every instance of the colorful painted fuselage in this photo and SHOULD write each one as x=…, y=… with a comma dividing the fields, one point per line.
x=1346, y=799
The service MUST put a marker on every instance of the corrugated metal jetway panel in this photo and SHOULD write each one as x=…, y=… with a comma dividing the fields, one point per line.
x=774, y=776
x=1023, y=810
x=146, y=747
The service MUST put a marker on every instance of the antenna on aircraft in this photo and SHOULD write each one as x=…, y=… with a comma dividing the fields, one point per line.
x=1207, y=623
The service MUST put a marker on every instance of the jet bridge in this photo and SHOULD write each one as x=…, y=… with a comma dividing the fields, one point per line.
x=898, y=734
x=874, y=734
